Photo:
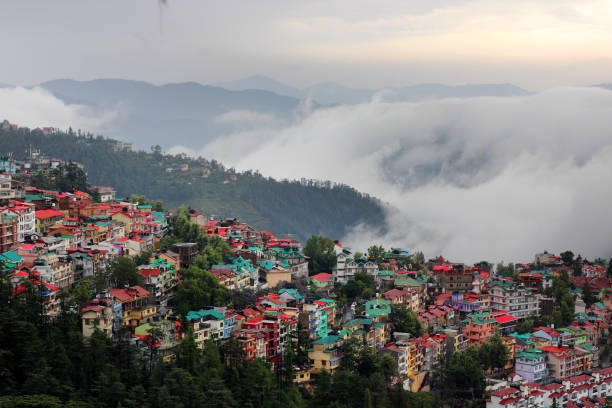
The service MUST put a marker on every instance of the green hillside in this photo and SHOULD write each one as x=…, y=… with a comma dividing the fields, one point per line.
x=302, y=207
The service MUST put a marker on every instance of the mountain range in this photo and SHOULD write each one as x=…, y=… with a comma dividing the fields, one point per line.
x=189, y=113
x=332, y=93
x=192, y=114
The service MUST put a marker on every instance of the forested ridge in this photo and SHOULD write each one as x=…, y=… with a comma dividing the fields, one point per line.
x=303, y=207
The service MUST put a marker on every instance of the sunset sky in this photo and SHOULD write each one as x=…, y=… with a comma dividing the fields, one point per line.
x=533, y=44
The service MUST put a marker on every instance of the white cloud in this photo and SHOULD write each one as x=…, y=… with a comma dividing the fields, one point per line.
x=484, y=178
x=37, y=108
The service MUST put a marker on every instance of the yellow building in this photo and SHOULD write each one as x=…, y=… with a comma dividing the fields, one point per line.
x=326, y=354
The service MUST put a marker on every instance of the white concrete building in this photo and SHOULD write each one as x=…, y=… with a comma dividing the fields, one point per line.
x=516, y=300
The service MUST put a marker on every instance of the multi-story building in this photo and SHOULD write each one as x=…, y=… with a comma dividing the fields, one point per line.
x=298, y=263
x=187, y=252
x=455, y=340
x=106, y=193
x=10, y=189
x=253, y=343
x=58, y=271
x=586, y=390
x=479, y=328
x=318, y=316
x=531, y=366
x=47, y=218
x=347, y=267
x=456, y=279
x=97, y=317
x=135, y=304
x=516, y=300
x=27, y=219
x=566, y=362
x=407, y=296
x=326, y=354
x=9, y=227
x=206, y=324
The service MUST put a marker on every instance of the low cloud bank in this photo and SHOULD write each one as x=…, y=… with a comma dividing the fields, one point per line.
x=486, y=178
x=37, y=108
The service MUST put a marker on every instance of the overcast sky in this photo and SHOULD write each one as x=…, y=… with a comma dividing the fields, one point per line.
x=534, y=44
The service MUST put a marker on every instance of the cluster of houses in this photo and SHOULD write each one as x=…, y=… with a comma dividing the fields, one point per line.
x=57, y=239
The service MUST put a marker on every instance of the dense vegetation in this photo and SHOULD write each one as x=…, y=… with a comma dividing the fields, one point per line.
x=302, y=208
x=50, y=364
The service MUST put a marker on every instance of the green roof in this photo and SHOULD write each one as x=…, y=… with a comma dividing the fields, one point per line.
x=344, y=332
x=143, y=329
x=33, y=197
x=357, y=322
x=292, y=292
x=531, y=354
x=406, y=281
x=386, y=272
x=327, y=340
x=193, y=315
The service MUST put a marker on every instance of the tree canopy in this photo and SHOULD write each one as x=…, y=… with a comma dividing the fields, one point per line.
x=321, y=253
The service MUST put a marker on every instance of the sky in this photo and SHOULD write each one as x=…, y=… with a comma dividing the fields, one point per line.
x=534, y=44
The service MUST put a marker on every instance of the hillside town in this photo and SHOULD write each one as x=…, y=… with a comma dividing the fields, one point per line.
x=545, y=323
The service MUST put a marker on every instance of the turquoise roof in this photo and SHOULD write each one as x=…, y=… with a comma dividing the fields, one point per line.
x=11, y=257
x=357, y=322
x=327, y=340
x=193, y=315
x=293, y=292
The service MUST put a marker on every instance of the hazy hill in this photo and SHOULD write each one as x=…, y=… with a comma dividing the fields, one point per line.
x=300, y=208
x=605, y=86
x=184, y=113
x=262, y=82
x=330, y=93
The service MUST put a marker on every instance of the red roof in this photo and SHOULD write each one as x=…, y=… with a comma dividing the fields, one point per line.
x=21, y=274
x=580, y=378
x=508, y=401
x=44, y=214
x=605, y=371
x=148, y=272
x=249, y=312
x=393, y=293
x=505, y=319
x=553, y=349
x=94, y=308
x=504, y=392
x=551, y=386
x=323, y=277
x=254, y=320
x=130, y=293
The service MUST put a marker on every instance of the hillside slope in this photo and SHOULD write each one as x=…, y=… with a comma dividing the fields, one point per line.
x=301, y=208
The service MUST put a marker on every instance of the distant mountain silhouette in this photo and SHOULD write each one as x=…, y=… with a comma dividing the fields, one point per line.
x=605, y=86
x=332, y=93
x=262, y=82
x=187, y=113
x=182, y=113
